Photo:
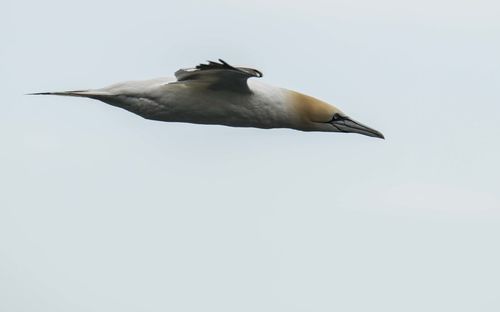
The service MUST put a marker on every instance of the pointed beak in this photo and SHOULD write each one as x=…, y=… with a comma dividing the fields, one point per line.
x=346, y=124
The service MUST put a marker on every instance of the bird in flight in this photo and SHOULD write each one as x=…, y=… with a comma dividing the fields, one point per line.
x=220, y=94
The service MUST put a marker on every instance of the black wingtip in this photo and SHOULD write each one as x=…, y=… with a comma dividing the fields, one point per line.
x=225, y=65
x=215, y=65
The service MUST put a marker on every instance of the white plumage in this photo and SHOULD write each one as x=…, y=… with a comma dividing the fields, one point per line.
x=218, y=93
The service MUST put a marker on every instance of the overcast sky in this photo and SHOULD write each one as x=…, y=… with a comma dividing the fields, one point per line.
x=101, y=210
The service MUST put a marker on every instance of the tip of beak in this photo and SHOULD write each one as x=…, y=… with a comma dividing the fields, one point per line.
x=380, y=136
x=373, y=134
x=347, y=124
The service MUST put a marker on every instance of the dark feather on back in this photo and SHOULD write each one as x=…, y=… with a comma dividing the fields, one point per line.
x=223, y=65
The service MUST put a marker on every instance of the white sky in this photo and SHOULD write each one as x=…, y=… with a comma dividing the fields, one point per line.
x=101, y=210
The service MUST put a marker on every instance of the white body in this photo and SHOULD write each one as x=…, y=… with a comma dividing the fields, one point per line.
x=165, y=99
x=218, y=93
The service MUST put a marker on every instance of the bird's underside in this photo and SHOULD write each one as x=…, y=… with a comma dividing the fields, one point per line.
x=218, y=93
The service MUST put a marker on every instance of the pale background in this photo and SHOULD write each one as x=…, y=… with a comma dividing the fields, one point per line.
x=101, y=210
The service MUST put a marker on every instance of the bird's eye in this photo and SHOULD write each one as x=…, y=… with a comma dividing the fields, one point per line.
x=338, y=117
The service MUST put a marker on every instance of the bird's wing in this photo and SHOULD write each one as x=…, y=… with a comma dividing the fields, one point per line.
x=219, y=76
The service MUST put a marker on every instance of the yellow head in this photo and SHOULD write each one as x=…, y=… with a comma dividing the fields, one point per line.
x=315, y=115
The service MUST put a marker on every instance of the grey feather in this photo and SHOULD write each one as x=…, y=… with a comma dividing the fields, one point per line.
x=219, y=76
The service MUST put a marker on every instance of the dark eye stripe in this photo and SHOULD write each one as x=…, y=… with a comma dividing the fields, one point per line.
x=337, y=117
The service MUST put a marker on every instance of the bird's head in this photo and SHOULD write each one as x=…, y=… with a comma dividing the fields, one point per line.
x=316, y=115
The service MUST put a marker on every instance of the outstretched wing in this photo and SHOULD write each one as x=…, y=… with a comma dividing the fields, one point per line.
x=219, y=76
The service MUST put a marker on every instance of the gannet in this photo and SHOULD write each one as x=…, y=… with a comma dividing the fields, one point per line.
x=220, y=94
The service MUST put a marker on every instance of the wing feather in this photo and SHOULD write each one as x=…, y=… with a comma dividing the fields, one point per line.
x=219, y=76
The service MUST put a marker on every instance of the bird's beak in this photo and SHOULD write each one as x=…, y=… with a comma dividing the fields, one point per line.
x=346, y=124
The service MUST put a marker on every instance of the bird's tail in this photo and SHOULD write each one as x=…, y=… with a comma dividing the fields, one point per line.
x=94, y=94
